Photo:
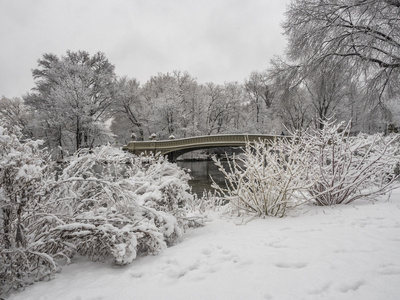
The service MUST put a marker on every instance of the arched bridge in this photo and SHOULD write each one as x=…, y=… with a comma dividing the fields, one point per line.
x=176, y=147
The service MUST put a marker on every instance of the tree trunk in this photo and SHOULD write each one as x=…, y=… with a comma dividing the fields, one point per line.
x=7, y=211
x=78, y=134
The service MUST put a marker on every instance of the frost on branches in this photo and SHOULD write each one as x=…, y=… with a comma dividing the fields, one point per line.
x=351, y=168
x=22, y=175
x=325, y=167
x=103, y=204
x=270, y=178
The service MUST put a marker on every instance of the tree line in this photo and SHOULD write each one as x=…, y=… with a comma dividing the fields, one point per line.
x=342, y=61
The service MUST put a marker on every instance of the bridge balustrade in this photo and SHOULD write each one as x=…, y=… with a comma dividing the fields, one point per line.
x=177, y=147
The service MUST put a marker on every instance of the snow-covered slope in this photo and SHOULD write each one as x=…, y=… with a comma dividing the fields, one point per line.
x=344, y=252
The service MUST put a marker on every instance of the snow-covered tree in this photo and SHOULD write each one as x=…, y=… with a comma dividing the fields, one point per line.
x=310, y=94
x=225, y=106
x=260, y=97
x=216, y=110
x=174, y=104
x=71, y=96
x=163, y=109
x=365, y=35
x=128, y=109
x=14, y=112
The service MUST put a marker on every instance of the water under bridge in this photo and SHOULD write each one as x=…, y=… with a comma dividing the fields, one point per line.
x=174, y=148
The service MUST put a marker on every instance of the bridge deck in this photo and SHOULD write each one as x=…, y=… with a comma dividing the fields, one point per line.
x=180, y=146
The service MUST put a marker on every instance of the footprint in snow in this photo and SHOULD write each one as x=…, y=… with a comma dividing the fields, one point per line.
x=291, y=265
x=345, y=288
x=276, y=244
x=286, y=228
x=136, y=274
x=320, y=289
x=389, y=269
x=208, y=260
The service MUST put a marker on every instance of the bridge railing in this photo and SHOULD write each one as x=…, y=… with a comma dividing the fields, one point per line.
x=208, y=140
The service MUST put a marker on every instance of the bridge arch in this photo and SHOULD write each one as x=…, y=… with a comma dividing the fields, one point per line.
x=176, y=147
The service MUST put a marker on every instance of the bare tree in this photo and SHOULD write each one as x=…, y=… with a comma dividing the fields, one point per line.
x=291, y=103
x=318, y=92
x=260, y=96
x=161, y=99
x=128, y=105
x=365, y=34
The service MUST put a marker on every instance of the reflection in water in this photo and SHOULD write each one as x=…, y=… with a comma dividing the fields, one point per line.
x=200, y=173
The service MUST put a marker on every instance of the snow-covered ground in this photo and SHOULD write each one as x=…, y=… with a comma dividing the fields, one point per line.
x=345, y=252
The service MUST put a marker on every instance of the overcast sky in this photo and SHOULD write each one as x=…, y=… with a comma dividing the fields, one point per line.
x=214, y=40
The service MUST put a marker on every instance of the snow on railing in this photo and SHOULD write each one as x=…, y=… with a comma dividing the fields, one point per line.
x=165, y=146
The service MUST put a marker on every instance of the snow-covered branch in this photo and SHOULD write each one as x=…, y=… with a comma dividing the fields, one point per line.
x=270, y=178
x=103, y=203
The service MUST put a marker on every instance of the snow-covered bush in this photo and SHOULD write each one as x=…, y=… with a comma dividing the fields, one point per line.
x=269, y=179
x=23, y=172
x=208, y=201
x=326, y=166
x=351, y=168
x=103, y=203
x=114, y=204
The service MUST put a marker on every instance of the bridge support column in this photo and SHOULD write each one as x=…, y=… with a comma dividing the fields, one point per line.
x=171, y=157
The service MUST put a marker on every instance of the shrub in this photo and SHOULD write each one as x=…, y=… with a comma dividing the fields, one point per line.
x=103, y=204
x=24, y=168
x=326, y=166
x=350, y=168
x=114, y=204
x=269, y=180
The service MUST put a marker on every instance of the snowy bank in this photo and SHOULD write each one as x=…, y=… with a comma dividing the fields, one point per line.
x=343, y=252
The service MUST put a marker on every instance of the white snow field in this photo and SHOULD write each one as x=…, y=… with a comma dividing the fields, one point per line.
x=344, y=252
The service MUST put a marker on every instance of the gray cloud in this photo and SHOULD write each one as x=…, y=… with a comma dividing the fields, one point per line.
x=214, y=40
